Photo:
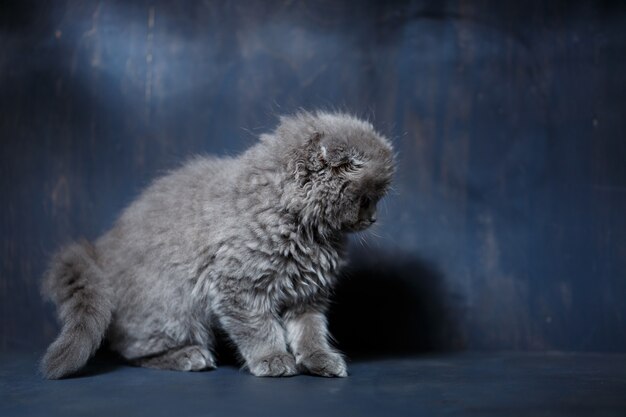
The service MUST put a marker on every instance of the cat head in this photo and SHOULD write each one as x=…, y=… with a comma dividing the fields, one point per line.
x=341, y=166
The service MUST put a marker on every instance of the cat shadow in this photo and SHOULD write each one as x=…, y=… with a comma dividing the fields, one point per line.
x=105, y=361
x=391, y=305
x=386, y=305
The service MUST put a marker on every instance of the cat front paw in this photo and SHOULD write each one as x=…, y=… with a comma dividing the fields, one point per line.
x=328, y=364
x=277, y=364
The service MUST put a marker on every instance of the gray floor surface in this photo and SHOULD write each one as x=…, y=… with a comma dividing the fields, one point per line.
x=466, y=384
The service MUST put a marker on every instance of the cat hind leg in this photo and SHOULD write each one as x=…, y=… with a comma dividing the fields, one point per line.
x=186, y=358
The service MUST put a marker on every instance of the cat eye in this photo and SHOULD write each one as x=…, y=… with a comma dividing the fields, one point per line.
x=365, y=202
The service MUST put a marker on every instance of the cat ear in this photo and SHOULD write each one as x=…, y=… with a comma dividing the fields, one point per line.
x=331, y=154
x=349, y=163
x=316, y=138
x=338, y=158
x=318, y=148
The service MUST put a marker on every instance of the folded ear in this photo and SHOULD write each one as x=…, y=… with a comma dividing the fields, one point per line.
x=338, y=155
x=307, y=159
x=315, y=138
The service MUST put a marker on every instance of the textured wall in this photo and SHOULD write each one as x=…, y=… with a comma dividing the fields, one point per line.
x=507, y=228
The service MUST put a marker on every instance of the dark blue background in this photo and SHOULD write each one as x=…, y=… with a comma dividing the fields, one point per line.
x=507, y=227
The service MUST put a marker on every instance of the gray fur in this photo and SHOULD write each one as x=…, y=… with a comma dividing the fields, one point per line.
x=252, y=244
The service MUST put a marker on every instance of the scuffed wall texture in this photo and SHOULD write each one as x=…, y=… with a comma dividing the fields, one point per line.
x=507, y=227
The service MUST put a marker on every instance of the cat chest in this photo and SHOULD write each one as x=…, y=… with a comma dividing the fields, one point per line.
x=301, y=278
x=270, y=276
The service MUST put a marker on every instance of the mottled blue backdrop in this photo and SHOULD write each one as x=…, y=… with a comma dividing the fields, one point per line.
x=507, y=227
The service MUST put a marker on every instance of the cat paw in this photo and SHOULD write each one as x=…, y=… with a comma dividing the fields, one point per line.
x=187, y=358
x=328, y=364
x=195, y=358
x=277, y=364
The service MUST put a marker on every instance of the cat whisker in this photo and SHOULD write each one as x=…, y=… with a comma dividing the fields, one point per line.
x=363, y=240
x=385, y=206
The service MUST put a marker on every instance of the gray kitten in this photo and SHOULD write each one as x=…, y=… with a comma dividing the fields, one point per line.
x=252, y=244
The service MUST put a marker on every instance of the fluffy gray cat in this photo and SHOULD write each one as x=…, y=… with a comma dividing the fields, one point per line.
x=252, y=244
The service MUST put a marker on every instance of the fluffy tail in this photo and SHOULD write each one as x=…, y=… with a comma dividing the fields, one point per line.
x=75, y=283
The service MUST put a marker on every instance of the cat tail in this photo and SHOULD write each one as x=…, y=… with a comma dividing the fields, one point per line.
x=76, y=284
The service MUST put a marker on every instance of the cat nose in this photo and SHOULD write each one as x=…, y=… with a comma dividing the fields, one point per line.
x=373, y=218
